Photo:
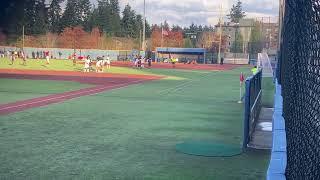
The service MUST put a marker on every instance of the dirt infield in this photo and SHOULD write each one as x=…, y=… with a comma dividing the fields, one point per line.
x=102, y=81
x=204, y=67
x=75, y=73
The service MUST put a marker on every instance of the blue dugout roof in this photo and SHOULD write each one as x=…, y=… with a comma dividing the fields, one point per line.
x=193, y=51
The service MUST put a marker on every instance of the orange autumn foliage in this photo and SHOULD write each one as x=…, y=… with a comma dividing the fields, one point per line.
x=172, y=39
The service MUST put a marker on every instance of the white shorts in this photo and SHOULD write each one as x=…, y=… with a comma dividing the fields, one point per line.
x=48, y=58
x=99, y=64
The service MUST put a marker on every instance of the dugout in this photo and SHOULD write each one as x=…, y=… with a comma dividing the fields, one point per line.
x=183, y=54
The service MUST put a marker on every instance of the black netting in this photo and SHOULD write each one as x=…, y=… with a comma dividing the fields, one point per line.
x=300, y=79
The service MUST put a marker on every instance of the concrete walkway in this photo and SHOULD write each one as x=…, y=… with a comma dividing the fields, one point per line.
x=262, y=134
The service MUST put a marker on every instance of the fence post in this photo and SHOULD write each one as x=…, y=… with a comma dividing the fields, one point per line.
x=246, y=114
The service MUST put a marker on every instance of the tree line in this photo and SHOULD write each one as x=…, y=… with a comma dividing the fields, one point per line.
x=82, y=24
x=39, y=18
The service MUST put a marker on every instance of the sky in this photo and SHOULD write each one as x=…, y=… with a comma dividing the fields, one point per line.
x=204, y=12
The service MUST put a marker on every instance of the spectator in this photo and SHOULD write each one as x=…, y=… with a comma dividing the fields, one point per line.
x=60, y=54
x=254, y=70
x=149, y=63
x=74, y=59
x=221, y=61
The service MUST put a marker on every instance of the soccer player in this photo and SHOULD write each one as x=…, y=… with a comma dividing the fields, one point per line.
x=46, y=53
x=13, y=57
x=99, y=65
x=136, y=62
x=24, y=59
x=142, y=62
x=139, y=62
x=173, y=61
x=87, y=63
x=74, y=59
x=108, y=62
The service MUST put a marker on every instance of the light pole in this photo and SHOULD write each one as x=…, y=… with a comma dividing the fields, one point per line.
x=220, y=35
x=144, y=26
x=23, y=38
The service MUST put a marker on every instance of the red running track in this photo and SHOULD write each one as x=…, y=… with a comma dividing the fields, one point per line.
x=102, y=84
x=204, y=67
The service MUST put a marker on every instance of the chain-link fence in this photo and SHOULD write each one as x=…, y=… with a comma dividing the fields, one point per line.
x=300, y=79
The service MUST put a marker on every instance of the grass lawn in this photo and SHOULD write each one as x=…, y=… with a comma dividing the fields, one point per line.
x=12, y=90
x=131, y=133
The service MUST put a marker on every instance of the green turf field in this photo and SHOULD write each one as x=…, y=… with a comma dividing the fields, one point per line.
x=63, y=65
x=131, y=133
x=267, y=91
x=12, y=90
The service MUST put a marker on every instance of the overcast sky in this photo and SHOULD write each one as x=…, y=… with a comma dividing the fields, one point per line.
x=205, y=12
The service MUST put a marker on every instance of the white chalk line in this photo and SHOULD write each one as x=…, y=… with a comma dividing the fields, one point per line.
x=183, y=85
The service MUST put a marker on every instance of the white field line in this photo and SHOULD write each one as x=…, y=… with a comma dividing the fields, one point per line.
x=183, y=85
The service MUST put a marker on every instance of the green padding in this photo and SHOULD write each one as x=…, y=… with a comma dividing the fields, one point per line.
x=208, y=149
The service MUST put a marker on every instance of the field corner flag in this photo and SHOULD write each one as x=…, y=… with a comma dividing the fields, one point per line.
x=241, y=78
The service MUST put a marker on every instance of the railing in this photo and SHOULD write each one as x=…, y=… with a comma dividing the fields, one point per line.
x=252, y=98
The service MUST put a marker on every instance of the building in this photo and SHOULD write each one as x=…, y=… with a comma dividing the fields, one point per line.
x=269, y=29
x=244, y=27
x=270, y=33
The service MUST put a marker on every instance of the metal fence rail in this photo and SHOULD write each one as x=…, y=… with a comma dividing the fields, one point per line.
x=253, y=94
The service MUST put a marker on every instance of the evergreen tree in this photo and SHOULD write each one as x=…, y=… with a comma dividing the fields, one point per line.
x=70, y=16
x=12, y=18
x=54, y=16
x=76, y=13
x=34, y=18
x=115, y=16
x=236, y=12
x=138, y=27
x=128, y=22
x=93, y=20
x=255, y=45
x=166, y=26
x=193, y=28
x=84, y=11
x=28, y=16
x=176, y=28
x=103, y=17
x=237, y=46
x=148, y=30
x=40, y=18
